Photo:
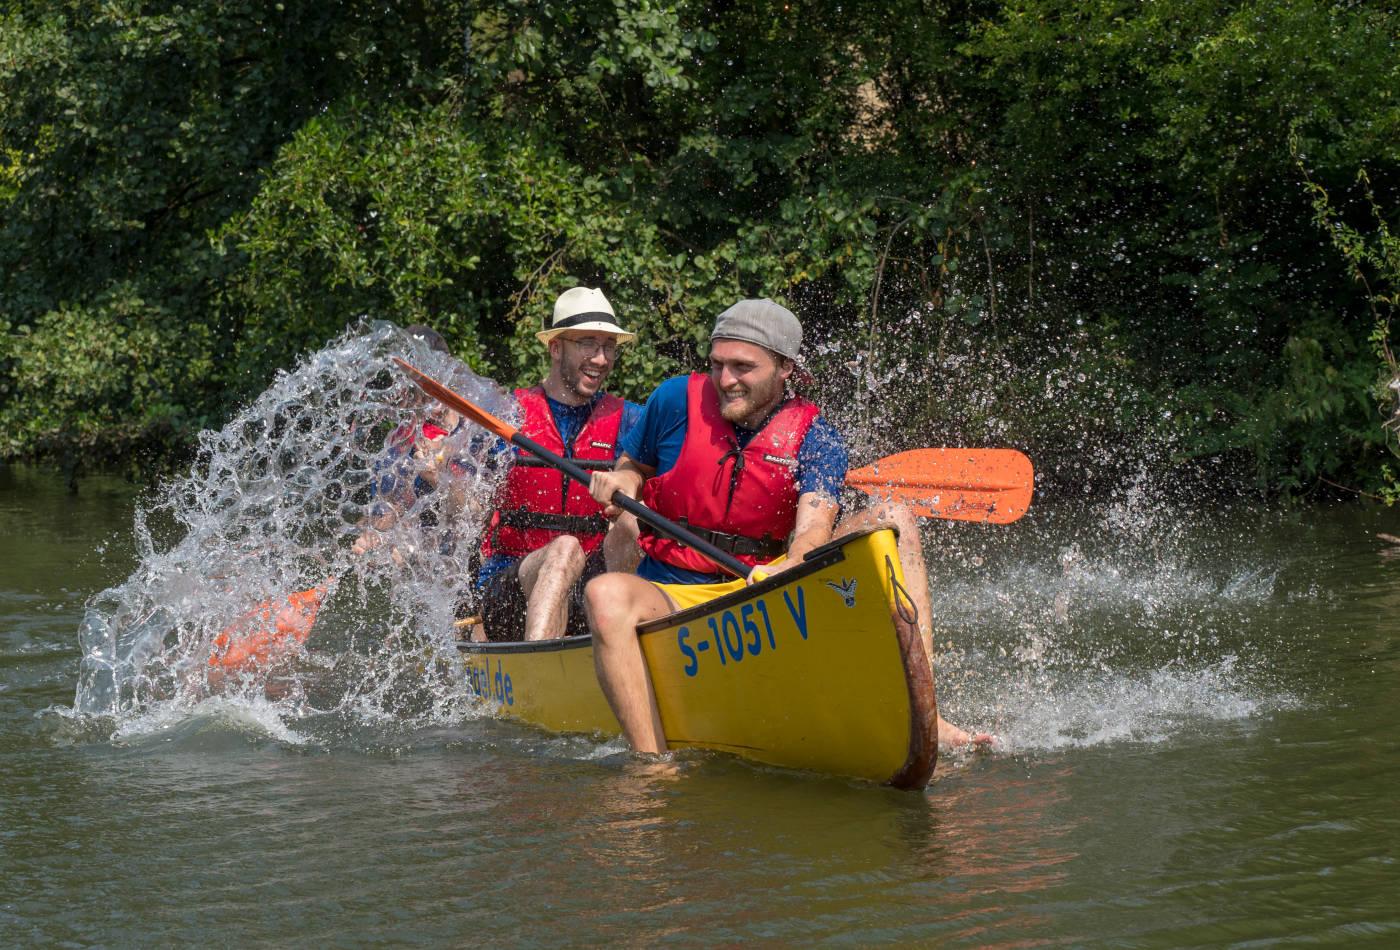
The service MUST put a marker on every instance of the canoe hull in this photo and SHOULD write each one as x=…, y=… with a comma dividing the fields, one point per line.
x=820, y=667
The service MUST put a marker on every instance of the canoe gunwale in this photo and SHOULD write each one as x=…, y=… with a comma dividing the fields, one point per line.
x=816, y=559
x=493, y=647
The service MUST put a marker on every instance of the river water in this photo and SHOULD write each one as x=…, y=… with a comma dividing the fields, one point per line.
x=1200, y=746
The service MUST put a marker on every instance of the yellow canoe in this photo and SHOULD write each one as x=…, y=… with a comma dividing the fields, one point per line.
x=820, y=667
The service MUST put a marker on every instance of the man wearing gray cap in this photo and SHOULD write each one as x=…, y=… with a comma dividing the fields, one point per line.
x=747, y=465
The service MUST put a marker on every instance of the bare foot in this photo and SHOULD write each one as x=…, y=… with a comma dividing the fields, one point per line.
x=951, y=737
x=650, y=766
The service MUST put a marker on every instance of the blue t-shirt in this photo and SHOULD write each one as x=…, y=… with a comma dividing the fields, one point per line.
x=569, y=420
x=656, y=441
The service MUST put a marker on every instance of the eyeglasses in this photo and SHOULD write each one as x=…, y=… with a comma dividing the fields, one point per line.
x=590, y=347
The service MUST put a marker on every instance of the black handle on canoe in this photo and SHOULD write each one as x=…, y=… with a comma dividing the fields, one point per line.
x=662, y=526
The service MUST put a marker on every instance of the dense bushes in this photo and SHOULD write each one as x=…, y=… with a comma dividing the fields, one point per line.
x=1074, y=225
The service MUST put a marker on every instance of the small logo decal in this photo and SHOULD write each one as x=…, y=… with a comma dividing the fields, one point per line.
x=847, y=590
x=601, y=445
x=779, y=460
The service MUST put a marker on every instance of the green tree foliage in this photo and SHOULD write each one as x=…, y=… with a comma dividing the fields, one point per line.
x=1146, y=145
x=1096, y=196
x=127, y=132
x=612, y=144
x=1373, y=256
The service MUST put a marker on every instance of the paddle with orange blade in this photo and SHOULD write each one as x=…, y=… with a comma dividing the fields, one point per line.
x=267, y=631
x=990, y=485
x=500, y=427
x=959, y=484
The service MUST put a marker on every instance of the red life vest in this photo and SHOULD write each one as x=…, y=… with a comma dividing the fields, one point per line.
x=538, y=503
x=744, y=501
x=402, y=439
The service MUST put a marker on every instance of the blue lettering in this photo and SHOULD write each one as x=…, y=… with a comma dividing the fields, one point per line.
x=692, y=660
x=751, y=628
x=734, y=633
x=799, y=613
x=735, y=646
x=480, y=682
x=767, y=625
x=714, y=632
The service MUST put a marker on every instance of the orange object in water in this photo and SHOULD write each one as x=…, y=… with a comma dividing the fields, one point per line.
x=268, y=630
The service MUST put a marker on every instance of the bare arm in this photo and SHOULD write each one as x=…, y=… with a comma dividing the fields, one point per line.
x=816, y=521
x=627, y=476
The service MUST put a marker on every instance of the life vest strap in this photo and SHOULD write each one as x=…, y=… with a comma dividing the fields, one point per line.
x=569, y=524
x=733, y=543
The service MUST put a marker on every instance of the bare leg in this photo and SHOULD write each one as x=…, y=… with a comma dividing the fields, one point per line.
x=617, y=603
x=620, y=549
x=911, y=560
x=547, y=575
x=911, y=557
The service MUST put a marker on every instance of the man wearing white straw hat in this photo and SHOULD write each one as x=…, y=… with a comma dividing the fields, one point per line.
x=548, y=536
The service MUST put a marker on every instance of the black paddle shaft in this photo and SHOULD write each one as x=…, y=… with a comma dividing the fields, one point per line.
x=660, y=525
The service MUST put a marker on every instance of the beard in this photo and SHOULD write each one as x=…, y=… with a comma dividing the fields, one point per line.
x=576, y=379
x=748, y=406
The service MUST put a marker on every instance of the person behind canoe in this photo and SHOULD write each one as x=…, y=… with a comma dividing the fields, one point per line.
x=547, y=536
x=750, y=467
x=409, y=468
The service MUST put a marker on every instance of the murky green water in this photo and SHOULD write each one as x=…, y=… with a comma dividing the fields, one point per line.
x=1202, y=747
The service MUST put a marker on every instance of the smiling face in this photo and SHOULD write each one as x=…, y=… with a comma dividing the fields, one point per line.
x=579, y=364
x=750, y=380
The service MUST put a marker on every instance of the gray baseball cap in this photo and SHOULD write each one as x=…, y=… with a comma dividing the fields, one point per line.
x=764, y=322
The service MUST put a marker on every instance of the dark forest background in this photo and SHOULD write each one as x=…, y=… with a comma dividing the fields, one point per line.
x=1072, y=227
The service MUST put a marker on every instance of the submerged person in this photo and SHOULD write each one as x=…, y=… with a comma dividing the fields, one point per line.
x=548, y=536
x=785, y=468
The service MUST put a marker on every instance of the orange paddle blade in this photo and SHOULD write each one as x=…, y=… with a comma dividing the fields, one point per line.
x=455, y=402
x=266, y=631
x=959, y=484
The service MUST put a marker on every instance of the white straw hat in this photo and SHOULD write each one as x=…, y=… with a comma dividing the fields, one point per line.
x=584, y=308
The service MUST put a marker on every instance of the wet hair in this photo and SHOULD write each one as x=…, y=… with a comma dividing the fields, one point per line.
x=429, y=336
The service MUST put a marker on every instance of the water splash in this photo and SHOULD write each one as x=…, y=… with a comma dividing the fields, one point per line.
x=1132, y=620
x=1099, y=617
x=275, y=504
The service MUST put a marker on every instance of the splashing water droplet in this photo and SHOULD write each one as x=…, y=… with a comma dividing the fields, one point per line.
x=273, y=505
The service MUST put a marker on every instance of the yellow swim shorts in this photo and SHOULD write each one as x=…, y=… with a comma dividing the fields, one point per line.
x=685, y=596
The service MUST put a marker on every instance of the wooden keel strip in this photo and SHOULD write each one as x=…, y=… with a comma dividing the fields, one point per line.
x=918, y=768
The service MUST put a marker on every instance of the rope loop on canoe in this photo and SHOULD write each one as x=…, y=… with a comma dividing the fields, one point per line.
x=903, y=603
